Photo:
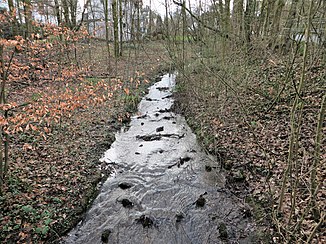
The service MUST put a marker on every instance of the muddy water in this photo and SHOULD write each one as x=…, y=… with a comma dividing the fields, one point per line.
x=165, y=189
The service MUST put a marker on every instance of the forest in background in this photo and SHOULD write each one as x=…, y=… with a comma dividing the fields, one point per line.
x=251, y=84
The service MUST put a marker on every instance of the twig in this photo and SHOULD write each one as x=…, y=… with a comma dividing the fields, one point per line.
x=312, y=234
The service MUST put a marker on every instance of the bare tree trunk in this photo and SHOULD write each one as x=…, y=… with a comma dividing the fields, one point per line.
x=132, y=24
x=57, y=11
x=318, y=141
x=323, y=42
x=227, y=12
x=167, y=33
x=4, y=137
x=13, y=15
x=107, y=38
x=294, y=124
x=77, y=28
x=150, y=19
x=1, y=129
x=224, y=12
x=66, y=13
x=120, y=27
x=184, y=26
x=238, y=19
x=28, y=17
x=286, y=43
x=261, y=18
x=267, y=16
x=73, y=13
x=248, y=19
x=138, y=23
x=277, y=16
x=115, y=28
x=275, y=25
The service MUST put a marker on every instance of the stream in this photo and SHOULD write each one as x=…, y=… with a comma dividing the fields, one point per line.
x=166, y=189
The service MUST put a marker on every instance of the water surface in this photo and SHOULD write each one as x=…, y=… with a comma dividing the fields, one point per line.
x=165, y=189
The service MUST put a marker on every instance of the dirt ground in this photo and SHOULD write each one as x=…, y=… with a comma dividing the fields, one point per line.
x=52, y=181
x=249, y=134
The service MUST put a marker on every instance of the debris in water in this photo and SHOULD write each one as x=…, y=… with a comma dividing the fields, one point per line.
x=180, y=162
x=179, y=217
x=105, y=236
x=201, y=200
x=125, y=185
x=223, y=231
x=166, y=110
x=142, y=116
x=126, y=203
x=168, y=117
x=185, y=159
x=162, y=88
x=149, y=137
x=166, y=97
x=145, y=221
x=208, y=168
x=159, y=129
x=158, y=137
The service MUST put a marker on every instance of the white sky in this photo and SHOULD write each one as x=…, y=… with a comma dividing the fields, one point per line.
x=156, y=5
x=159, y=5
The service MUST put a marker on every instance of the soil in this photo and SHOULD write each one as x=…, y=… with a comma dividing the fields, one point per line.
x=51, y=184
x=251, y=139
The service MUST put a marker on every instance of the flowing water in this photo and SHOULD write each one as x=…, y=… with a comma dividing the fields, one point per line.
x=165, y=189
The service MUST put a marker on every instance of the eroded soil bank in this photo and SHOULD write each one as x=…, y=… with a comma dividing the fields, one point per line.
x=165, y=189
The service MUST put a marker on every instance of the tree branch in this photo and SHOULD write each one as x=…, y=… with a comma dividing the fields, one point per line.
x=197, y=19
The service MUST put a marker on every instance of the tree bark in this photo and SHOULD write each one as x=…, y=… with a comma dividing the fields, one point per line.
x=57, y=11
x=150, y=19
x=286, y=43
x=13, y=15
x=238, y=19
x=73, y=13
x=66, y=13
x=120, y=27
x=295, y=121
x=275, y=25
x=248, y=19
x=28, y=17
x=115, y=28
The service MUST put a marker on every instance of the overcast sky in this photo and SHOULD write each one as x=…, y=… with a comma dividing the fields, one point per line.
x=159, y=5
